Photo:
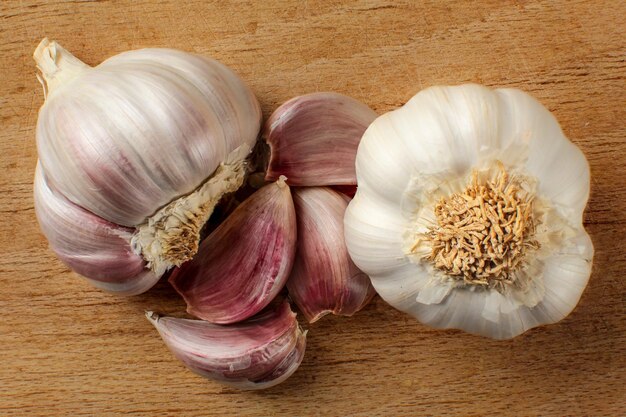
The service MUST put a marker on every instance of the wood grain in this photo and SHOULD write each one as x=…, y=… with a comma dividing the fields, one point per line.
x=68, y=349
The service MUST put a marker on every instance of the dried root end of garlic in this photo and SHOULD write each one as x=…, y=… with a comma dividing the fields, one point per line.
x=172, y=235
x=484, y=233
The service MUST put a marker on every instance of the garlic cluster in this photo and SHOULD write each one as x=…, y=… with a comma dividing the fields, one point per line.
x=277, y=236
x=469, y=211
x=139, y=150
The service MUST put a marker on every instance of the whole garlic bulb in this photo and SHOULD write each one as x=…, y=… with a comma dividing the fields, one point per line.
x=149, y=139
x=469, y=211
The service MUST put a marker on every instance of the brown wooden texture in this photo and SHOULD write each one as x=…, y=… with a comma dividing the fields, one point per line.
x=68, y=349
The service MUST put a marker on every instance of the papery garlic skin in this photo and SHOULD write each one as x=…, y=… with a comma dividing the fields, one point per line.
x=243, y=264
x=313, y=139
x=149, y=139
x=256, y=354
x=324, y=279
x=91, y=246
x=411, y=158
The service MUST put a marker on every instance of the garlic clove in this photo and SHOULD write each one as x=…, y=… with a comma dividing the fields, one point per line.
x=313, y=139
x=258, y=353
x=324, y=279
x=91, y=246
x=245, y=262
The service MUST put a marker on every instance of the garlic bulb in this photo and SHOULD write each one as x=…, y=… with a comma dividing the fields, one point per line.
x=149, y=140
x=313, y=139
x=469, y=211
x=324, y=280
x=245, y=262
x=256, y=354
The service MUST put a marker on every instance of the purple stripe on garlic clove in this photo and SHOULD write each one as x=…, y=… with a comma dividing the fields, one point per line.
x=313, y=139
x=258, y=353
x=324, y=279
x=245, y=262
x=91, y=246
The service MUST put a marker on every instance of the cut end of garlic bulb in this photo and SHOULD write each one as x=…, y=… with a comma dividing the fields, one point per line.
x=171, y=236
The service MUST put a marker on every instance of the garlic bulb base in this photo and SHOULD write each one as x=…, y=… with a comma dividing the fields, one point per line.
x=56, y=64
x=172, y=235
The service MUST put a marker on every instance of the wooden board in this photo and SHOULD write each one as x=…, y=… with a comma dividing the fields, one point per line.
x=67, y=349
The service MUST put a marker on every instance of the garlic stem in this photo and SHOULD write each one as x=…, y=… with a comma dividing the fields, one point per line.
x=57, y=65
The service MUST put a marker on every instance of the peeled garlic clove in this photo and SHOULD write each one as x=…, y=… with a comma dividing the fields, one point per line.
x=255, y=354
x=150, y=139
x=324, y=279
x=245, y=262
x=313, y=139
x=93, y=247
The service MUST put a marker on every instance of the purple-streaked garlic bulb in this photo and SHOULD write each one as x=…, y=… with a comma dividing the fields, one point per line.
x=255, y=354
x=141, y=147
x=313, y=139
x=324, y=279
x=245, y=262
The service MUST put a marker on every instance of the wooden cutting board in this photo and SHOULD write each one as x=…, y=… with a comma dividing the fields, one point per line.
x=67, y=349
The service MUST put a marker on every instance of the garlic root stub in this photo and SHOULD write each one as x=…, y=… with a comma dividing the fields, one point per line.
x=255, y=354
x=313, y=139
x=324, y=279
x=245, y=262
x=148, y=141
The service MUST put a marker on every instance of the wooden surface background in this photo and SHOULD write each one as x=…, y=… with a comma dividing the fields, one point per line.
x=68, y=349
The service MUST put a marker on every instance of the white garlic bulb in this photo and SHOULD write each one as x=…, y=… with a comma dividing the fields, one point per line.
x=149, y=139
x=469, y=210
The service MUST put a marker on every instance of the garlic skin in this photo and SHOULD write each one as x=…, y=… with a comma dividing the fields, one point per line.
x=245, y=262
x=313, y=139
x=91, y=246
x=256, y=354
x=413, y=160
x=324, y=279
x=149, y=139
